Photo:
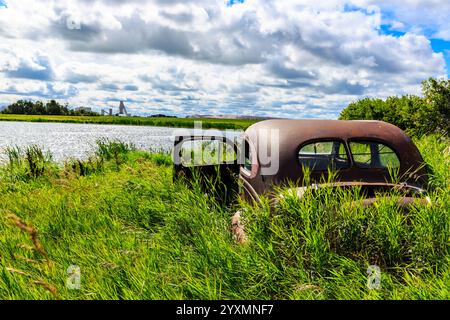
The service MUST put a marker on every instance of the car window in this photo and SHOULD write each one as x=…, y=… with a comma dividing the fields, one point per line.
x=373, y=155
x=321, y=155
x=206, y=152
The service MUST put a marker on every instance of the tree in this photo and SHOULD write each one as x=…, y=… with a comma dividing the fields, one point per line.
x=52, y=107
x=437, y=93
x=416, y=115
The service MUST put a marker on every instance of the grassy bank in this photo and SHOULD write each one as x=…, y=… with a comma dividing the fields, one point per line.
x=137, y=121
x=137, y=235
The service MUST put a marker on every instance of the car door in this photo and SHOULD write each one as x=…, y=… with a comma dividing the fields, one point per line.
x=210, y=162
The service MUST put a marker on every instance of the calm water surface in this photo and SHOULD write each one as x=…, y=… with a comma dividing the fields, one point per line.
x=68, y=140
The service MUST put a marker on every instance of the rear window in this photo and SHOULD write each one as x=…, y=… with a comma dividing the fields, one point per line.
x=206, y=152
x=367, y=154
x=323, y=155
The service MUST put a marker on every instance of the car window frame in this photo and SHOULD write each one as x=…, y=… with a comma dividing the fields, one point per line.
x=195, y=138
x=371, y=140
x=308, y=142
x=255, y=162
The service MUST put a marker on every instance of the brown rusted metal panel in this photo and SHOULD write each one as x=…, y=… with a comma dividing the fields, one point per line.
x=295, y=133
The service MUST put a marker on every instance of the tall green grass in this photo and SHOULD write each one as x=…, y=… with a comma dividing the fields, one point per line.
x=28, y=163
x=136, y=234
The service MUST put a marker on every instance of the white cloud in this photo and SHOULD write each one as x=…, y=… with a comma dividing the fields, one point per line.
x=283, y=58
x=422, y=16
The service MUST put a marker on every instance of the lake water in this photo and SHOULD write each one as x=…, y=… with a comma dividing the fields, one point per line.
x=67, y=140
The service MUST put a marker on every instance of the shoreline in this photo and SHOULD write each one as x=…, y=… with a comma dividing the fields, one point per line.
x=207, y=123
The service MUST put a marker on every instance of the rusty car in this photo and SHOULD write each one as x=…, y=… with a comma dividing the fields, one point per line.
x=374, y=156
x=274, y=153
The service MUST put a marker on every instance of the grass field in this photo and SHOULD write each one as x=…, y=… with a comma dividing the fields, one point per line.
x=138, y=121
x=134, y=234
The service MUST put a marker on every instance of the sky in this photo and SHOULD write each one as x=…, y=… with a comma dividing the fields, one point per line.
x=280, y=58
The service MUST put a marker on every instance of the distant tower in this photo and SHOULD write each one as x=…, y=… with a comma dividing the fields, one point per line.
x=110, y=111
x=122, y=109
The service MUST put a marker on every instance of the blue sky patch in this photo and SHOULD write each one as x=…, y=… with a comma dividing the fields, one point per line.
x=444, y=47
x=386, y=29
x=352, y=8
x=231, y=2
x=3, y=4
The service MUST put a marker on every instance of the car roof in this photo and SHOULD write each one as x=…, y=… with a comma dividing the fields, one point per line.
x=304, y=130
x=294, y=133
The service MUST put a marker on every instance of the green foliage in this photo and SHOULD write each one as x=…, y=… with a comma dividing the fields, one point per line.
x=437, y=93
x=108, y=151
x=52, y=107
x=83, y=168
x=417, y=115
x=436, y=153
x=113, y=150
x=136, y=234
x=160, y=157
x=28, y=163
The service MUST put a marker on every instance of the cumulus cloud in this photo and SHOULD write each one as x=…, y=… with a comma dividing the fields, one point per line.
x=78, y=77
x=131, y=87
x=259, y=57
x=42, y=91
x=428, y=17
x=38, y=68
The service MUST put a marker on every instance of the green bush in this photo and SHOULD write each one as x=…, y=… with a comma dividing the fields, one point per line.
x=416, y=115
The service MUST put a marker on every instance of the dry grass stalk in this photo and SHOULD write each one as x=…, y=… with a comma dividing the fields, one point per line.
x=22, y=273
x=32, y=232
x=109, y=265
x=303, y=287
x=25, y=247
x=48, y=287
x=28, y=260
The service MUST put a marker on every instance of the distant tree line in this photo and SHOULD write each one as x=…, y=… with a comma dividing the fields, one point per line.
x=51, y=107
x=416, y=115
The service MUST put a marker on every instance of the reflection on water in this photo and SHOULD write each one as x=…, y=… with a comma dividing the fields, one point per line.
x=66, y=140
